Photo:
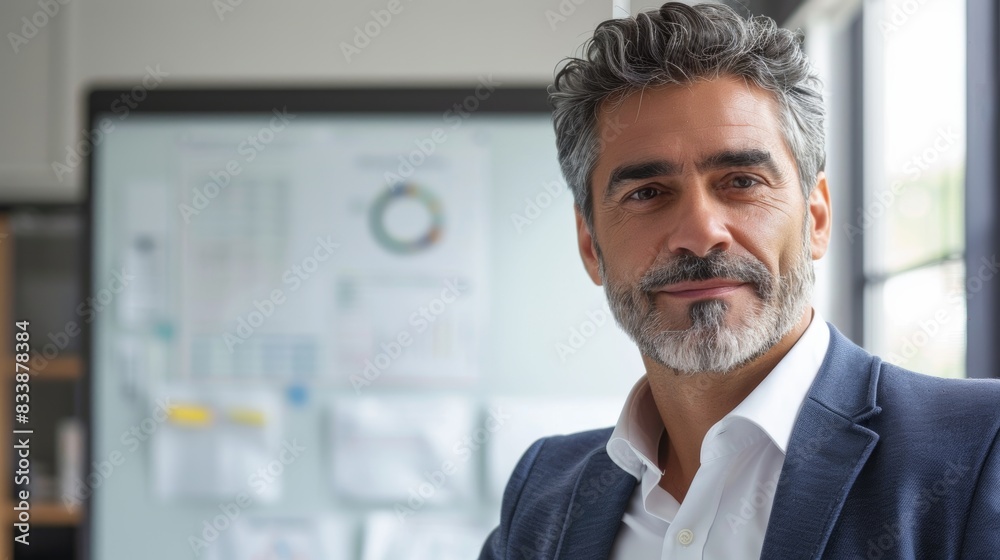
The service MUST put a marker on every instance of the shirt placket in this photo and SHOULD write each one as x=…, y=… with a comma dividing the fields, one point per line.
x=687, y=535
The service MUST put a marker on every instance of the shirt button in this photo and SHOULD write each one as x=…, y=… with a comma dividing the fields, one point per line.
x=685, y=537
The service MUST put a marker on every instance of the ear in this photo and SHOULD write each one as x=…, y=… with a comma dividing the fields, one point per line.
x=587, y=246
x=822, y=218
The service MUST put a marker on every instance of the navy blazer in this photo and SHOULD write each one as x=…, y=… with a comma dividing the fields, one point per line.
x=882, y=463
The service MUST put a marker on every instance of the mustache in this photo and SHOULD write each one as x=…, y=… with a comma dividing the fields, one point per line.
x=717, y=264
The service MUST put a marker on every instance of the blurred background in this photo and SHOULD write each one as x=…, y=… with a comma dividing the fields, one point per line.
x=301, y=280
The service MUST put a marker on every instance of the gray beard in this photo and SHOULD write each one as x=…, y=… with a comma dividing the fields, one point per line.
x=709, y=345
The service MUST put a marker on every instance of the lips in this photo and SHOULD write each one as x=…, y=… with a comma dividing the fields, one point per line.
x=704, y=288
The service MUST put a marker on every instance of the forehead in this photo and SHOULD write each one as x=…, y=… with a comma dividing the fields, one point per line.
x=686, y=122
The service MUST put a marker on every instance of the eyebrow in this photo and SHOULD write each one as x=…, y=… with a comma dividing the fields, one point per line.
x=660, y=167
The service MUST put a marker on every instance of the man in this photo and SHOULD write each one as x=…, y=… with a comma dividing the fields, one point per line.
x=693, y=141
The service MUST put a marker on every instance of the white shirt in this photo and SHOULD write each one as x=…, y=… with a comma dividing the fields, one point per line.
x=725, y=511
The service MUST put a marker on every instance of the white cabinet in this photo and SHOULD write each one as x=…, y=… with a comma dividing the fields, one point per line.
x=36, y=101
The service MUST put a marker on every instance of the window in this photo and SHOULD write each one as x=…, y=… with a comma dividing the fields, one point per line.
x=913, y=216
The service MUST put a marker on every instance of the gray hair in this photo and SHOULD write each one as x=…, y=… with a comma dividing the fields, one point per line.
x=676, y=45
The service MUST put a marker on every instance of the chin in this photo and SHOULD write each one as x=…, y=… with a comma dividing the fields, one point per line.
x=718, y=338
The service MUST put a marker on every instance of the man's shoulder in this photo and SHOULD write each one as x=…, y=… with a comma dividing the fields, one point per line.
x=559, y=479
x=931, y=471
x=896, y=386
x=548, y=471
x=553, y=464
x=581, y=441
x=976, y=397
x=569, y=450
x=959, y=416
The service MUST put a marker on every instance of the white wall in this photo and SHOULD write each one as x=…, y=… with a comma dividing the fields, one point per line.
x=259, y=42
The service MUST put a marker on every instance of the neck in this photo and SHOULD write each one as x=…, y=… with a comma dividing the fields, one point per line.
x=690, y=405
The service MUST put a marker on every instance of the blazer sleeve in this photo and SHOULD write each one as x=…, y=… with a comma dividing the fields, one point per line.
x=982, y=533
x=498, y=542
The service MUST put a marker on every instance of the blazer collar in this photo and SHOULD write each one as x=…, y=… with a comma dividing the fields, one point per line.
x=596, y=508
x=829, y=446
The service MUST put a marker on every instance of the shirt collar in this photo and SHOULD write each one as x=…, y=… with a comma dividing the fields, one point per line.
x=636, y=437
x=772, y=406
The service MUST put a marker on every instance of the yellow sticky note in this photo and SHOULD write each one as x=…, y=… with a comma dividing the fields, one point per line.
x=190, y=415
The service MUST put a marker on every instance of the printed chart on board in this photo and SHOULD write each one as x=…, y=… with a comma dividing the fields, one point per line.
x=347, y=252
x=408, y=298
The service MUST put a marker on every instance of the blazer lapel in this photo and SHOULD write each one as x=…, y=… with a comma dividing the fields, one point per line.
x=828, y=447
x=595, y=512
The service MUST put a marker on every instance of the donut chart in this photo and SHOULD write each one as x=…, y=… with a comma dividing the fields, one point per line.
x=395, y=244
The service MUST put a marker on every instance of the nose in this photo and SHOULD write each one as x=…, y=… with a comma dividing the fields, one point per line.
x=699, y=226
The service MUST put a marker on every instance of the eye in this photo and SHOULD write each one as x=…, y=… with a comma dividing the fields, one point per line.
x=743, y=182
x=644, y=193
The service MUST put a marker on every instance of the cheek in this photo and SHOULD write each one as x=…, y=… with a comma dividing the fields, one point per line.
x=792, y=252
x=631, y=252
x=774, y=238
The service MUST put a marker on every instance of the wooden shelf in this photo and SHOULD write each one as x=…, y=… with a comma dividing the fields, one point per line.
x=50, y=514
x=61, y=367
x=66, y=367
x=55, y=514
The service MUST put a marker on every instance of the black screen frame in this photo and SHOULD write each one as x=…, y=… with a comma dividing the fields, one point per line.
x=249, y=100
